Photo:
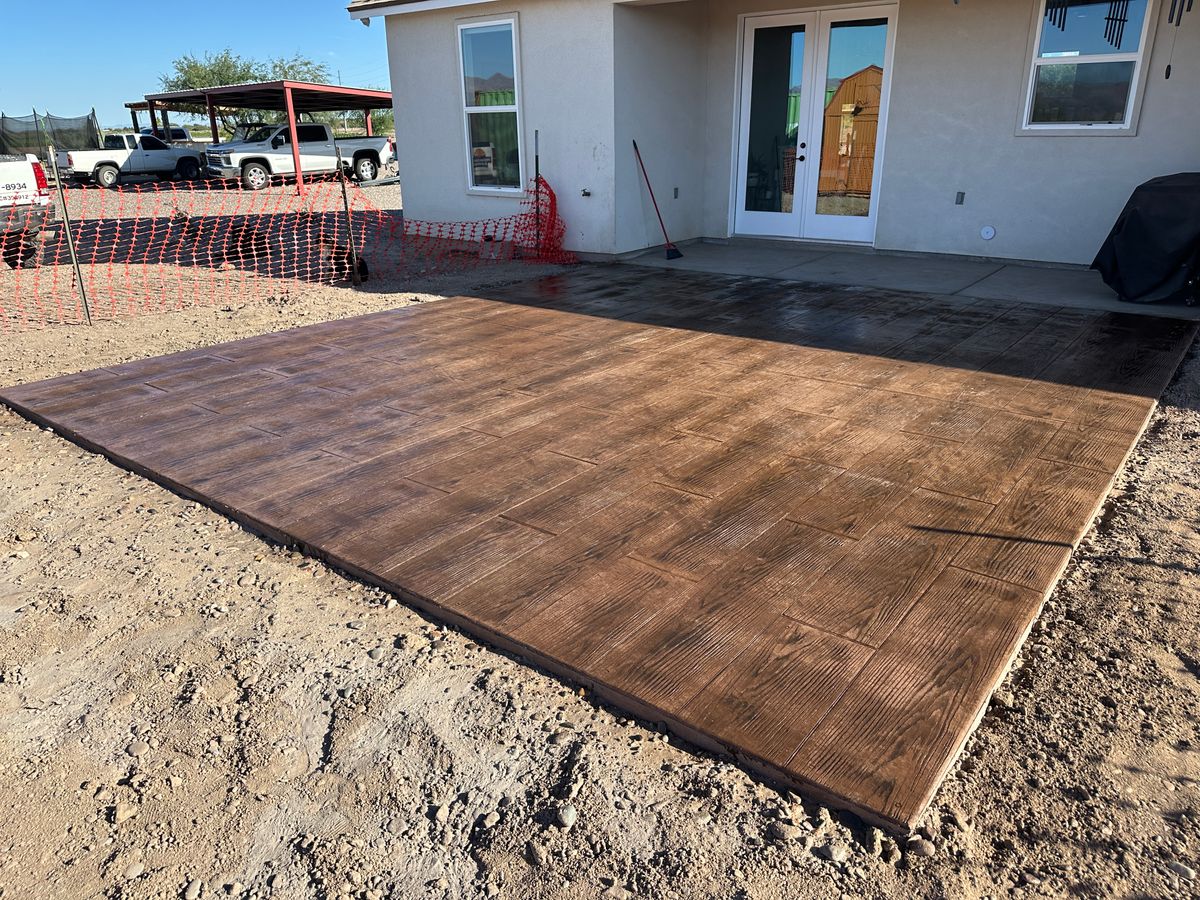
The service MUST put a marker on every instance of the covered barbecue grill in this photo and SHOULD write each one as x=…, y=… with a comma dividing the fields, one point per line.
x=1152, y=254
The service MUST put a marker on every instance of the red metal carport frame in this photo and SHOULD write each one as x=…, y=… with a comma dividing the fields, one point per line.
x=289, y=97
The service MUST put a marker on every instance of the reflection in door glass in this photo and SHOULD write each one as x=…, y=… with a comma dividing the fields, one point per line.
x=853, y=88
x=778, y=67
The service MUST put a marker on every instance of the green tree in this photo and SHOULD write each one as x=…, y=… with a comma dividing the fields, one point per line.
x=297, y=68
x=190, y=72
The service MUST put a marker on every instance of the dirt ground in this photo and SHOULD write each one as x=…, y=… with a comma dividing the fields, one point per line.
x=153, y=246
x=187, y=710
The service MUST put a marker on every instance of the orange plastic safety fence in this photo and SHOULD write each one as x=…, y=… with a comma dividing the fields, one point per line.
x=535, y=234
x=145, y=248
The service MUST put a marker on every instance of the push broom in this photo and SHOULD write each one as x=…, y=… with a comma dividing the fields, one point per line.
x=672, y=250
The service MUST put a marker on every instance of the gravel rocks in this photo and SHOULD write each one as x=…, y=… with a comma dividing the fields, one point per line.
x=919, y=846
x=566, y=815
x=836, y=853
x=890, y=851
x=784, y=832
x=137, y=748
x=1004, y=699
x=535, y=853
x=1186, y=872
x=193, y=888
x=123, y=811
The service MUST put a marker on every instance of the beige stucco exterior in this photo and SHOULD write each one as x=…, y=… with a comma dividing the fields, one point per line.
x=565, y=65
x=597, y=74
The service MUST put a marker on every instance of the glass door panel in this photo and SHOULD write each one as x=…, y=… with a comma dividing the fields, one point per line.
x=775, y=85
x=852, y=62
x=774, y=124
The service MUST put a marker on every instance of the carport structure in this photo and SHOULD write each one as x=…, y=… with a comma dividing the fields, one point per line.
x=289, y=97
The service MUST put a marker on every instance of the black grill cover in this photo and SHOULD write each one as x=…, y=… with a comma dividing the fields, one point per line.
x=1154, y=249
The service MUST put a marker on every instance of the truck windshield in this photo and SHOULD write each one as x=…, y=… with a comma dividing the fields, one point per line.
x=260, y=134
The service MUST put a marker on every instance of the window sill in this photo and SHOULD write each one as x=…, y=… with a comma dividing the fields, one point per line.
x=1078, y=131
x=495, y=192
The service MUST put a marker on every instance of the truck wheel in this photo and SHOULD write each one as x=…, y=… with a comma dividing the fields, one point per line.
x=365, y=169
x=108, y=176
x=11, y=243
x=255, y=176
x=189, y=169
x=18, y=248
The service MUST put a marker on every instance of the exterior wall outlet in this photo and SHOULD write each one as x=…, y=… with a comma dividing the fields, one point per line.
x=676, y=193
x=960, y=198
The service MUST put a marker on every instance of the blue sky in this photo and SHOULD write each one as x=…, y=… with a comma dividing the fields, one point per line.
x=852, y=47
x=75, y=58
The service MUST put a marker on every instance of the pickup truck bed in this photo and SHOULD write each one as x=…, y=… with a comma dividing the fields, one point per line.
x=130, y=154
x=26, y=208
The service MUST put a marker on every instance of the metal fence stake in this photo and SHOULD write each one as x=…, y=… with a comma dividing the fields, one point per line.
x=537, y=193
x=66, y=218
x=355, y=277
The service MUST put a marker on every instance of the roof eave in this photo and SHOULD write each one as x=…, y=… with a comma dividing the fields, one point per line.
x=404, y=7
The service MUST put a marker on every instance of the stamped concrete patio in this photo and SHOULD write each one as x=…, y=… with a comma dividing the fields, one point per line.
x=970, y=278
x=809, y=525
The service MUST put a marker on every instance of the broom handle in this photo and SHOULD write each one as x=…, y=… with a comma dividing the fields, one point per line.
x=537, y=190
x=650, y=188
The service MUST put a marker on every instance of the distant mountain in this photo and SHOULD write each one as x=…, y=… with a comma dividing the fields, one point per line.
x=496, y=82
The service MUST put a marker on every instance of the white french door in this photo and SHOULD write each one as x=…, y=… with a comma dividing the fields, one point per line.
x=814, y=91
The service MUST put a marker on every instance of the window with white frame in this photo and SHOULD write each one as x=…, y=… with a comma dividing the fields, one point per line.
x=1086, y=63
x=488, y=52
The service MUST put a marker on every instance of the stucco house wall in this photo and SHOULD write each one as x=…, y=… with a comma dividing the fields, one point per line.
x=599, y=73
x=957, y=95
x=567, y=89
x=660, y=97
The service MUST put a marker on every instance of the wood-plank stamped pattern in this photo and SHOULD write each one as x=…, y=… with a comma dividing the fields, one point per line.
x=808, y=525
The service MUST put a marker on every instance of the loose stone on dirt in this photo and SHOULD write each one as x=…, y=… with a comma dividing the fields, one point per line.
x=565, y=815
x=1186, y=872
x=919, y=846
x=535, y=853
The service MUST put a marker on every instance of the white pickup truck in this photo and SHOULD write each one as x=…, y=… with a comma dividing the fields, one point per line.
x=130, y=154
x=267, y=151
x=179, y=135
x=26, y=208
